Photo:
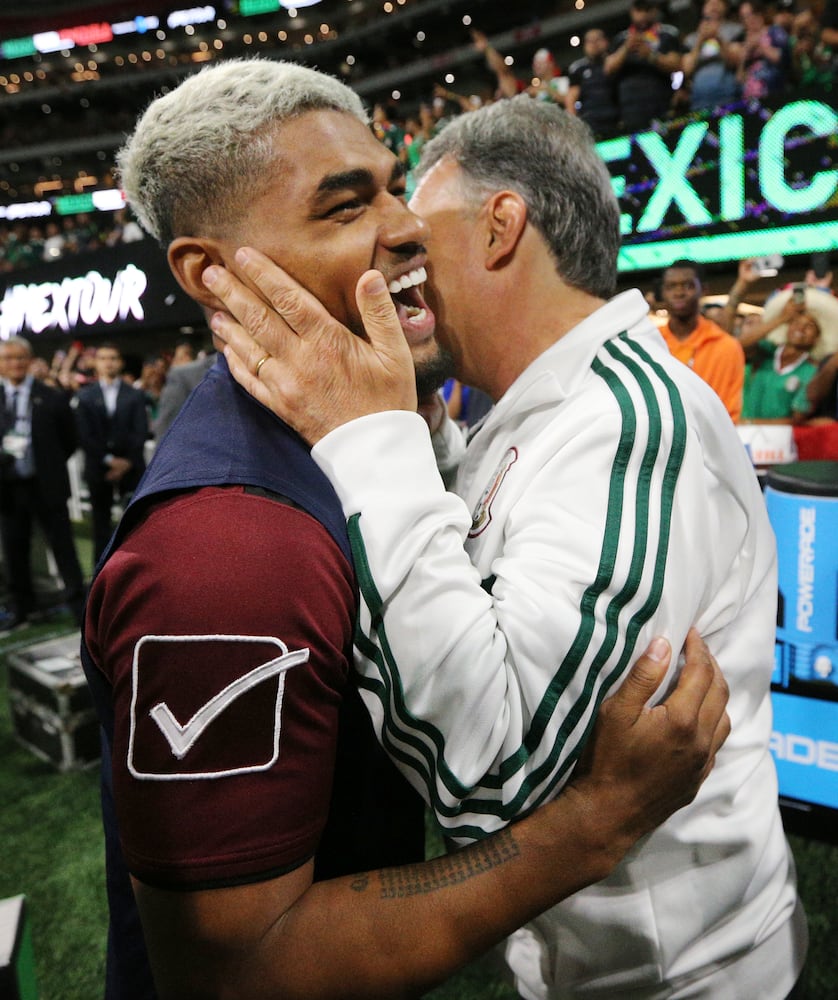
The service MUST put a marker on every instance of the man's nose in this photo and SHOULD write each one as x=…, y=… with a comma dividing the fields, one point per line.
x=403, y=226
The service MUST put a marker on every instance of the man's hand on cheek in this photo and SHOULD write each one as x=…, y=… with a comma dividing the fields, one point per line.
x=286, y=350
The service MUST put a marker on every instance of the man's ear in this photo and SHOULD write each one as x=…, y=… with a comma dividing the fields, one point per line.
x=506, y=220
x=189, y=257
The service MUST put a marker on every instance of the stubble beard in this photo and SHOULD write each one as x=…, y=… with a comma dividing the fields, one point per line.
x=433, y=372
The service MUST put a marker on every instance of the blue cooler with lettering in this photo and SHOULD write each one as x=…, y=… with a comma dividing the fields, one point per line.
x=802, y=502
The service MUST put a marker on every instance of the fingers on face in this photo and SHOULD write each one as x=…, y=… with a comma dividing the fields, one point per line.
x=297, y=309
x=251, y=317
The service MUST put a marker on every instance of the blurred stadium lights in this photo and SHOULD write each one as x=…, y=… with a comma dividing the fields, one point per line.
x=96, y=65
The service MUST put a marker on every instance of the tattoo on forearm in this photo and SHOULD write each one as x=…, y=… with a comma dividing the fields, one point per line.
x=451, y=869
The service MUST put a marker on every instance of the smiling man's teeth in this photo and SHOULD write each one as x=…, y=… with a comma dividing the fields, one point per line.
x=415, y=277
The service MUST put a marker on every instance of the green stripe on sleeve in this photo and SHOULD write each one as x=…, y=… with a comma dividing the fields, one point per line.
x=426, y=741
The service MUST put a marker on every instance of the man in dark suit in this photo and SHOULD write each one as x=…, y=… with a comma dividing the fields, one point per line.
x=112, y=426
x=38, y=437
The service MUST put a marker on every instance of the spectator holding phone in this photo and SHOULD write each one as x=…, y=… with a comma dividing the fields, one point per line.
x=749, y=271
x=591, y=93
x=776, y=376
x=818, y=280
x=804, y=304
x=712, y=58
x=766, y=53
x=642, y=60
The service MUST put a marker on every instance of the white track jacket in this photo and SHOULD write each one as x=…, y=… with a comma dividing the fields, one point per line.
x=605, y=499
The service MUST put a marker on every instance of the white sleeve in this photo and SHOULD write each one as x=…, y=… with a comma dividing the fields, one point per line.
x=483, y=692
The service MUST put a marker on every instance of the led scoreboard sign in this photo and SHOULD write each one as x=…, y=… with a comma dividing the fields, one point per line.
x=115, y=290
x=746, y=182
x=99, y=33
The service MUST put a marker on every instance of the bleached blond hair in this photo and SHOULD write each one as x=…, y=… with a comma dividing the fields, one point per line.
x=202, y=151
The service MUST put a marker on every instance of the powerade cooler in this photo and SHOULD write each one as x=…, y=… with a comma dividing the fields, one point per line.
x=802, y=502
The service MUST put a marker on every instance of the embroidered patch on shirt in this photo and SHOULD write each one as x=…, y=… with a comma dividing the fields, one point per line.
x=482, y=514
x=206, y=706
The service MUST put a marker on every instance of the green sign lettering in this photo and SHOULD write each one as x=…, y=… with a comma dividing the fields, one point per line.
x=820, y=120
x=673, y=185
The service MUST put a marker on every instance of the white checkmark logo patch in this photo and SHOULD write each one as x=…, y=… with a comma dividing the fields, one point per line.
x=181, y=737
x=163, y=662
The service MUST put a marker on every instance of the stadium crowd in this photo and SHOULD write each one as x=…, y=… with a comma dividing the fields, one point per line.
x=23, y=245
x=731, y=50
x=649, y=71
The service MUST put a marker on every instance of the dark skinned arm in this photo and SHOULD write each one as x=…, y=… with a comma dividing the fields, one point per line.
x=396, y=932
